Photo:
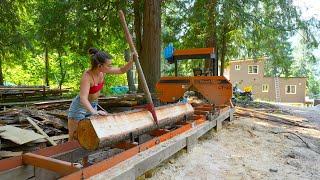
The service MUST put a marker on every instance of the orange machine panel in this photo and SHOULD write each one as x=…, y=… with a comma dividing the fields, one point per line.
x=196, y=51
x=216, y=89
x=170, y=89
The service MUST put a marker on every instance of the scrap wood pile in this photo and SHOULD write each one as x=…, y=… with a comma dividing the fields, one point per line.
x=28, y=129
x=44, y=124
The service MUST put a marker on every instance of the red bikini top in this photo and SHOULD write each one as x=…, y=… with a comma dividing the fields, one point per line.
x=95, y=88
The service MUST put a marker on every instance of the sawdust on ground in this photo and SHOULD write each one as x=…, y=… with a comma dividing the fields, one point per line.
x=247, y=148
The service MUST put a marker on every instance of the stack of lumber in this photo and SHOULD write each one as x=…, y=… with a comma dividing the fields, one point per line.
x=18, y=93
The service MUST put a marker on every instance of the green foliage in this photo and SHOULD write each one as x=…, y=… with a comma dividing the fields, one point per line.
x=237, y=29
x=67, y=29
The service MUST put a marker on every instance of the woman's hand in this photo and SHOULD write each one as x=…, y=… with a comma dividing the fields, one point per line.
x=102, y=113
x=134, y=54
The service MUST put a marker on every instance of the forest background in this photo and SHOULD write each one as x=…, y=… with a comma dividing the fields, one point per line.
x=45, y=42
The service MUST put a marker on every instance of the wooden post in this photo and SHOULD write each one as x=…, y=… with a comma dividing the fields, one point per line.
x=44, y=91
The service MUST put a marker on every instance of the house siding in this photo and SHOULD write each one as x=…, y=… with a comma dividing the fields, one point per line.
x=243, y=79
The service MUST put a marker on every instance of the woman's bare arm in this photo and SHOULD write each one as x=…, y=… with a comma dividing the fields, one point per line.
x=123, y=69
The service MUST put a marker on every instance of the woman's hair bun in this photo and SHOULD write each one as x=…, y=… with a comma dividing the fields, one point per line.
x=93, y=51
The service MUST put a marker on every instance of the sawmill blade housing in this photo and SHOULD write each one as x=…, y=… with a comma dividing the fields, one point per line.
x=217, y=90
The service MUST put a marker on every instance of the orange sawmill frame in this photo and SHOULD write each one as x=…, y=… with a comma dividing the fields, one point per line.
x=43, y=158
x=194, y=51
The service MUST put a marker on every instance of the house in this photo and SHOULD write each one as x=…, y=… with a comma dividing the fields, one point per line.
x=251, y=72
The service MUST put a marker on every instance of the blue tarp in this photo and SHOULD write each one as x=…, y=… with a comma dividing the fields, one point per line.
x=119, y=90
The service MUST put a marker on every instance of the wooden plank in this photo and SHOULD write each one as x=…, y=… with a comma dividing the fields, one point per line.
x=54, y=138
x=52, y=102
x=20, y=88
x=41, y=131
x=18, y=135
x=5, y=154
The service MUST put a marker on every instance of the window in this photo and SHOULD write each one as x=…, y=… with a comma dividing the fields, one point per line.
x=237, y=67
x=265, y=87
x=291, y=89
x=253, y=69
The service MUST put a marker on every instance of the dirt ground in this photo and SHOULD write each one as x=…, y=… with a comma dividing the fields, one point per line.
x=249, y=148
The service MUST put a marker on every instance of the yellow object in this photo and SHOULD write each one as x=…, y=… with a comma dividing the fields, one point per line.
x=248, y=89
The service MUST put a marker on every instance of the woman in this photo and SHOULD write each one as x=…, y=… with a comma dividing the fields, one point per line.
x=92, y=81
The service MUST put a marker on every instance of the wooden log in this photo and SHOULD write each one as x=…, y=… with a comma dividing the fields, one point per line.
x=41, y=131
x=269, y=116
x=100, y=131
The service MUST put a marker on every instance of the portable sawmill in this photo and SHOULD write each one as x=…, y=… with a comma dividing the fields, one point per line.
x=205, y=85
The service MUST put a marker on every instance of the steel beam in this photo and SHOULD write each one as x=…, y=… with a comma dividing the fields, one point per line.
x=58, y=166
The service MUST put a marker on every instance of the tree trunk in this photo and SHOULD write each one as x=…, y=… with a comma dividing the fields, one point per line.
x=151, y=47
x=137, y=5
x=46, y=58
x=62, y=71
x=1, y=74
x=90, y=39
x=223, y=49
x=211, y=29
x=138, y=8
x=130, y=79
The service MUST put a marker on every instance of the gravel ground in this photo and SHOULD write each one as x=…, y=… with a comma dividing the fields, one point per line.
x=248, y=148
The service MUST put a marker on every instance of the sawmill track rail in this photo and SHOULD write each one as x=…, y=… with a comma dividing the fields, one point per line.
x=137, y=155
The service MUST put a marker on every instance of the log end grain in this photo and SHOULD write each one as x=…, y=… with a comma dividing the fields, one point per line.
x=87, y=136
